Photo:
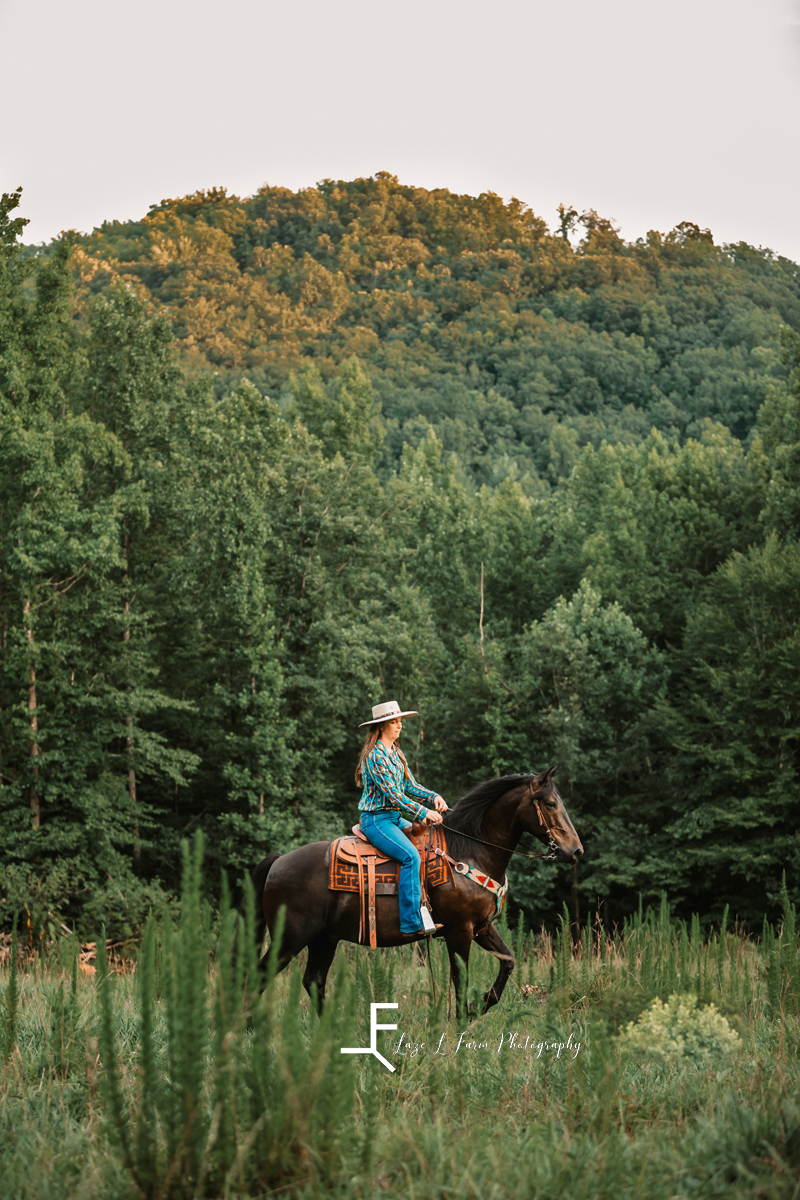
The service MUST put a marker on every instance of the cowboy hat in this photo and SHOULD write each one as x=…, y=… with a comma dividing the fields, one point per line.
x=389, y=711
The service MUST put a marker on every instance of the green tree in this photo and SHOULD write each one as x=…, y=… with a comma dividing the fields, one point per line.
x=131, y=384
x=583, y=689
x=217, y=640
x=646, y=524
x=72, y=680
x=779, y=429
x=735, y=789
x=342, y=416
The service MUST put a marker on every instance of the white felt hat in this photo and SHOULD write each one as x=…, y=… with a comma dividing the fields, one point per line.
x=386, y=712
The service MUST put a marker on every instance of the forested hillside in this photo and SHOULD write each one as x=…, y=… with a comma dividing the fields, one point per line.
x=468, y=315
x=372, y=415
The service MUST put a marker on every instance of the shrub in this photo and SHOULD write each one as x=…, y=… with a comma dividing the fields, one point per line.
x=678, y=1028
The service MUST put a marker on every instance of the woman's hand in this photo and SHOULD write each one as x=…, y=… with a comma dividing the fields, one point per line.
x=432, y=817
x=439, y=804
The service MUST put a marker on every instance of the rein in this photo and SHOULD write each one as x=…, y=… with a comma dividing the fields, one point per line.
x=552, y=848
x=497, y=889
x=551, y=853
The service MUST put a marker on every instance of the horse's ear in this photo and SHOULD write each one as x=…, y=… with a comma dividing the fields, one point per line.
x=548, y=775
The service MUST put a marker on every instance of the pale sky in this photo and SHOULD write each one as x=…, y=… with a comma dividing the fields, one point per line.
x=650, y=113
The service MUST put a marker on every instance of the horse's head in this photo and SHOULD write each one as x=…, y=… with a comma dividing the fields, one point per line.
x=541, y=812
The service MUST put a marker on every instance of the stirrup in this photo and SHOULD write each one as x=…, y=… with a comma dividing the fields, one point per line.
x=427, y=920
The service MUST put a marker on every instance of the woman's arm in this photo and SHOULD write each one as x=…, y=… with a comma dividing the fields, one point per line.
x=410, y=785
x=412, y=788
x=379, y=778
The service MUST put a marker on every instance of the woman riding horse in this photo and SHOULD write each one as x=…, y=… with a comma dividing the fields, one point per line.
x=389, y=798
x=481, y=833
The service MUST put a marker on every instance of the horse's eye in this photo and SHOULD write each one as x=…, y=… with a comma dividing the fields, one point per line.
x=551, y=803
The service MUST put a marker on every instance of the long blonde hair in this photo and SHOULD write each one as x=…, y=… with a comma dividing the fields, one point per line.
x=370, y=742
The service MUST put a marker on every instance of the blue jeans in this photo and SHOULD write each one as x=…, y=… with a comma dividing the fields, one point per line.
x=385, y=831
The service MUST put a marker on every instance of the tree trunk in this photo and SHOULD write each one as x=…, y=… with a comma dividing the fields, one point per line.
x=36, y=807
x=137, y=852
x=576, y=903
x=126, y=637
x=252, y=709
x=2, y=654
x=480, y=628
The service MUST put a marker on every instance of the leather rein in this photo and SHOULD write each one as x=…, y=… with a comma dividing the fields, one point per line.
x=552, y=849
x=498, y=890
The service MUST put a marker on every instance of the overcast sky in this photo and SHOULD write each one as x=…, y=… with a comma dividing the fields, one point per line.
x=651, y=113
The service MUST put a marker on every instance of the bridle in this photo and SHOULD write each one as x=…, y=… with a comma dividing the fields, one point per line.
x=552, y=848
x=500, y=889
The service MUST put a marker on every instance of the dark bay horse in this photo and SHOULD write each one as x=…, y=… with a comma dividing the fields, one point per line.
x=481, y=830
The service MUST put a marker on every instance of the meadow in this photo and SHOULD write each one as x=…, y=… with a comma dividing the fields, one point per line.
x=172, y=1077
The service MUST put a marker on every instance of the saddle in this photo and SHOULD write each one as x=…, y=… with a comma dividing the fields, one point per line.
x=358, y=866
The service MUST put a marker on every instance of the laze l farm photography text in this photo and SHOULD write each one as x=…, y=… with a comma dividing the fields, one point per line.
x=506, y=1043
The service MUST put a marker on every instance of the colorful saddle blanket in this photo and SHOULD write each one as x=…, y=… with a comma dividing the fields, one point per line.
x=357, y=866
x=346, y=851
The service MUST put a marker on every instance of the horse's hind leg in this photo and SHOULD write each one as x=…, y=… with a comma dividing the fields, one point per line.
x=293, y=939
x=320, y=956
x=295, y=900
x=284, y=958
x=259, y=879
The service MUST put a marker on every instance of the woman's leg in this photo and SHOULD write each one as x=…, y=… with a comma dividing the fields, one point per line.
x=386, y=835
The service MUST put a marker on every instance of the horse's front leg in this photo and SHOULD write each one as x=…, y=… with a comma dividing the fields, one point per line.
x=458, y=942
x=490, y=940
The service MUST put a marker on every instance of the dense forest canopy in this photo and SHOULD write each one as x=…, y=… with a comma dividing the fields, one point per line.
x=469, y=316
x=265, y=462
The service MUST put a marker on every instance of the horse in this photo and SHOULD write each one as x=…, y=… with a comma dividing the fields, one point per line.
x=481, y=832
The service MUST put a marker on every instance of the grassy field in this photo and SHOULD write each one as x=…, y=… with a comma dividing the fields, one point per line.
x=175, y=1080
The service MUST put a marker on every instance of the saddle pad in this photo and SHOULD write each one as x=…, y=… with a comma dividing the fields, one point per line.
x=344, y=874
x=344, y=869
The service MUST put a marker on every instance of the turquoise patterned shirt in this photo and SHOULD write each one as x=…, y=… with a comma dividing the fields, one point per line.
x=386, y=788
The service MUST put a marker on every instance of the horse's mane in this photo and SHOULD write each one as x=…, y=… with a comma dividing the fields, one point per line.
x=466, y=816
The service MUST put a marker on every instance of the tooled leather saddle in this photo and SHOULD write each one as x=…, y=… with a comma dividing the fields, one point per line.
x=358, y=866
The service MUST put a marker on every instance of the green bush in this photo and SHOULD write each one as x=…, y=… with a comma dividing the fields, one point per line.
x=677, y=1028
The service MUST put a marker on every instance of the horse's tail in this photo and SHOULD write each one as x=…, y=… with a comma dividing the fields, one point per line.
x=259, y=880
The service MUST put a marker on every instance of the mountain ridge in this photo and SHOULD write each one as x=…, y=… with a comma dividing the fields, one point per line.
x=515, y=345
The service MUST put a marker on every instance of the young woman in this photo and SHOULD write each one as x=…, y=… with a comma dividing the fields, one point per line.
x=388, y=805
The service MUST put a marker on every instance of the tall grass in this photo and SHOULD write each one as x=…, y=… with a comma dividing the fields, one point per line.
x=184, y=1080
